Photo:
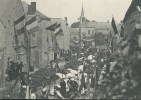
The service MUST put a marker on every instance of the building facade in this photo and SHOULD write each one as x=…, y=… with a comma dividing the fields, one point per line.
x=11, y=11
x=99, y=31
x=132, y=18
x=74, y=34
x=63, y=39
x=41, y=39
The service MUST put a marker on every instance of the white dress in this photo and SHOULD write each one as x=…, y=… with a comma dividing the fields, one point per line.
x=33, y=96
x=80, y=68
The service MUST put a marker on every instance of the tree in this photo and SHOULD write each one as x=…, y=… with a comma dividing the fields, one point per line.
x=123, y=79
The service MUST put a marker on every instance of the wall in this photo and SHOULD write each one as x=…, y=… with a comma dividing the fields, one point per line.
x=11, y=10
x=46, y=44
x=2, y=51
x=88, y=31
x=129, y=24
x=63, y=40
x=67, y=39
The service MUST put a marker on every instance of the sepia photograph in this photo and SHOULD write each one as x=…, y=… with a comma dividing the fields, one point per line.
x=70, y=49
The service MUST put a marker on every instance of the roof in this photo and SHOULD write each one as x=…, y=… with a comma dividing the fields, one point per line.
x=131, y=8
x=10, y=10
x=97, y=25
x=25, y=5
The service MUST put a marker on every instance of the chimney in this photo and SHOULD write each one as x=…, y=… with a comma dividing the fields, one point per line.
x=32, y=8
x=66, y=20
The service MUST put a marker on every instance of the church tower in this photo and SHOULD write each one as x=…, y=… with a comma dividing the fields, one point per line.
x=82, y=17
x=82, y=20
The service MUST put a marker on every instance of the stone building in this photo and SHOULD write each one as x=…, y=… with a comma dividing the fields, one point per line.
x=74, y=33
x=132, y=18
x=90, y=29
x=63, y=39
x=11, y=11
x=41, y=39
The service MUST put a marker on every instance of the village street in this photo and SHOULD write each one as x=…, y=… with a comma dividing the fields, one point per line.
x=70, y=49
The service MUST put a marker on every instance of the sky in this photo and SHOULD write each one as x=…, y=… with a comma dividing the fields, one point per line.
x=97, y=10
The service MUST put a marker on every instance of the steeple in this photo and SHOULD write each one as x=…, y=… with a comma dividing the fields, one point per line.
x=82, y=17
x=82, y=12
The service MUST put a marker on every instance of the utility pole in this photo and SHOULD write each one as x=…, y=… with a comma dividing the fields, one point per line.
x=28, y=52
x=28, y=59
x=80, y=28
x=29, y=65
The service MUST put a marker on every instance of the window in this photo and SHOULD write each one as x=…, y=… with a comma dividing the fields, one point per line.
x=22, y=43
x=8, y=21
x=88, y=31
x=33, y=34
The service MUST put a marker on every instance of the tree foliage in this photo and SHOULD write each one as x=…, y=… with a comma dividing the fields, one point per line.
x=123, y=80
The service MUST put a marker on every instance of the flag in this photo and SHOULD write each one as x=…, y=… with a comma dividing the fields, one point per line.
x=58, y=30
x=32, y=25
x=124, y=40
x=122, y=31
x=114, y=26
x=125, y=51
x=16, y=37
x=52, y=27
x=56, y=27
x=139, y=9
x=124, y=46
x=19, y=25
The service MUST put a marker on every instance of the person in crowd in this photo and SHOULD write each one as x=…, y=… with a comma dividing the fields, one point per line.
x=11, y=71
x=56, y=66
x=16, y=69
x=83, y=84
x=44, y=92
x=61, y=53
x=8, y=68
x=63, y=88
x=23, y=79
x=32, y=95
x=20, y=66
x=80, y=68
x=57, y=91
x=51, y=64
x=73, y=88
x=8, y=64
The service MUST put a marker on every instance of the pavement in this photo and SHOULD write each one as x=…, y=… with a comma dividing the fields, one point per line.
x=6, y=90
x=1, y=92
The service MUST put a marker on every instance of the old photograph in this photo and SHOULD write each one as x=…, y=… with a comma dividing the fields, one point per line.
x=70, y=49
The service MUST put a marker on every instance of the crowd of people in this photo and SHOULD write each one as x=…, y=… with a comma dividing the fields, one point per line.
x=14, y=69
x=80, y=76
x=78, y=79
